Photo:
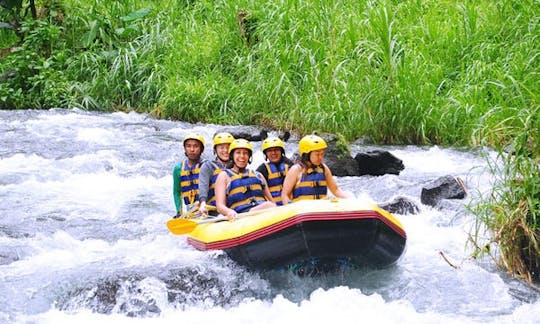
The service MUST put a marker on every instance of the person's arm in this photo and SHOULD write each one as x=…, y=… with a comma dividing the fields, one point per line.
x=289, y=183
x=205, y=175
x=177, y=188
x=267, y=194
x=221, y=198
x=332, y=184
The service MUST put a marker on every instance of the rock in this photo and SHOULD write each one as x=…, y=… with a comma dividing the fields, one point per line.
x=400, y=205
x=446, y=187
x=342, y=167
x=378, y=162
x=338, y=157
x=249, y=133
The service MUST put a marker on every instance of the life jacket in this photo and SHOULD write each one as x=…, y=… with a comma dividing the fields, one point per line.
x=217, y=167
x=245, y=190
x=189, y=183
x=276, y=176
x=312, y=185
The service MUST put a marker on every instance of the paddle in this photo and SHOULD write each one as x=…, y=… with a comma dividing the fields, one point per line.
x=181, y=226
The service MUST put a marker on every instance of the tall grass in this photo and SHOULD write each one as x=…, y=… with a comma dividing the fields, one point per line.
x=511, y=211
x=421, y=72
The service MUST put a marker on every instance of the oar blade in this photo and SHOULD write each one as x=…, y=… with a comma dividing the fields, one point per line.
x=180, y=226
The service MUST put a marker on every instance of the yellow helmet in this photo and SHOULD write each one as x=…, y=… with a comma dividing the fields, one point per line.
x=223, y=138
x=311, y=143
x=241, y=143
x=272, y=142
x=194, y=136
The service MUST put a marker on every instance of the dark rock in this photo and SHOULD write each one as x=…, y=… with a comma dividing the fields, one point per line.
x=249, y=133
x=341, y=167
x=378, y=162
x=446, y=187
x=338, y=157
x=400, y=205
x=285, y=136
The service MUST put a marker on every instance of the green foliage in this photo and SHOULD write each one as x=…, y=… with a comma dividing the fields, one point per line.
x=413, y=72
x=511, y=212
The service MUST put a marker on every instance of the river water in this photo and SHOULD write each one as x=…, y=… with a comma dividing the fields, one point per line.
x=84, y=202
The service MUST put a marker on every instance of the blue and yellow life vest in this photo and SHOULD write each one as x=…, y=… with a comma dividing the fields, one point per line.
x=245, y=190
x=217, y=167
x=189, y=183
x=312, y=185
x=276, y=176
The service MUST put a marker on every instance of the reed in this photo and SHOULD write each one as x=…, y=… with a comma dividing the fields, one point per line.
x=510, y=213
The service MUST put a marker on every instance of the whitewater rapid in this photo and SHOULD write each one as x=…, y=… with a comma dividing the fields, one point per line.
x=84, y=201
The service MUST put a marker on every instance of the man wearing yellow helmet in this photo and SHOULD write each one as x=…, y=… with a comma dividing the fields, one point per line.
x=276, y=167
x=210, y=170
x=310, y=178
x=186, y=173
x=239, y=189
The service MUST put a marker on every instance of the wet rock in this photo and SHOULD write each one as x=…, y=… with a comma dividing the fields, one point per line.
x=378, y=162
x=400, y=205
x=284, y=136
x=447, y=187
x=250, y=133
x=338, y=157
x=342, y=167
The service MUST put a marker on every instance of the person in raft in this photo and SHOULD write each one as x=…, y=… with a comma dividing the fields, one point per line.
x=186, y=175
x=276, y=167
x=239, y=189
x=310, y=178
x=210, y=171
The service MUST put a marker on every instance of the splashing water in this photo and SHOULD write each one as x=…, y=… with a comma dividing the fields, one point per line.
x=85, y=197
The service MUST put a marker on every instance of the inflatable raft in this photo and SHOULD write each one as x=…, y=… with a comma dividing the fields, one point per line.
x=328, y=231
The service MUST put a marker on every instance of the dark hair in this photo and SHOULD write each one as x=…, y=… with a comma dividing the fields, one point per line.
x=230, y=163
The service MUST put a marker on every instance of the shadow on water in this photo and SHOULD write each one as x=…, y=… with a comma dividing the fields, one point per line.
x=146, y=292
x=297, y=284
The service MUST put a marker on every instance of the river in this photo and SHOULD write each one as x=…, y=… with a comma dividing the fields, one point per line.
x=84, y=201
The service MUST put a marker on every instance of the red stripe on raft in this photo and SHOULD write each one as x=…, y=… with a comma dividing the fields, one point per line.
x=329, y=216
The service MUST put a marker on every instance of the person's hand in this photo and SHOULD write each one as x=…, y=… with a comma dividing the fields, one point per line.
x=202, y=208
x=231, y=215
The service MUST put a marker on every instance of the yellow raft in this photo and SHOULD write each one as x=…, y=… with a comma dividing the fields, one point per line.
x=326, y=231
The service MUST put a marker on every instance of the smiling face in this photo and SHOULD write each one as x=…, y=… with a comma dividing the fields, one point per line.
x=222, y=151
x=193, y=149
x=273, y=154
x=241, y=157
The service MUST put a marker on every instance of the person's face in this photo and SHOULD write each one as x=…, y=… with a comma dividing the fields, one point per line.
x=222, y=151
x=316, y=157
x=273, y=154
x=241, y=157
x=193, y=149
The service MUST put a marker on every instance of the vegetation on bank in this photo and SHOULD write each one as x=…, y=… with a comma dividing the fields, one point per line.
x=397, y=72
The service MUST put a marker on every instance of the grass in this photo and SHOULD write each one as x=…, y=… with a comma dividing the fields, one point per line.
x=511, y=212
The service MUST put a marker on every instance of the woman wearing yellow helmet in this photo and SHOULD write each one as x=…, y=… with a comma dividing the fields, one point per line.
x=310, y=178
x=239, y=189
x=186, y=173
x=210, y=170
x=276, y=167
